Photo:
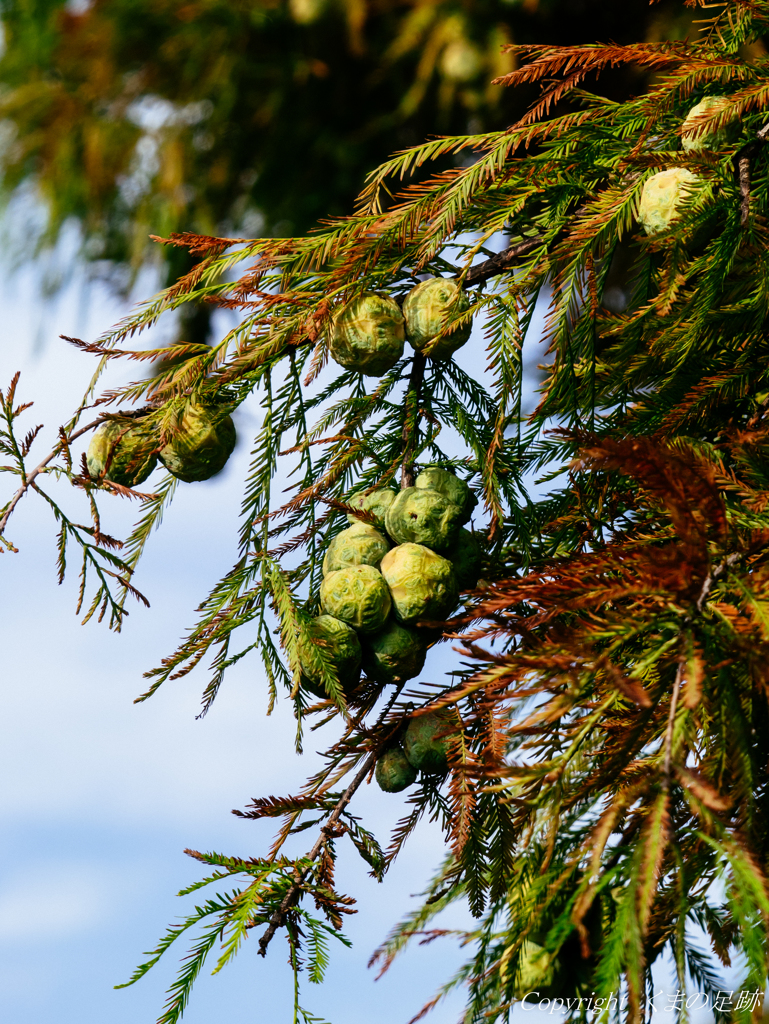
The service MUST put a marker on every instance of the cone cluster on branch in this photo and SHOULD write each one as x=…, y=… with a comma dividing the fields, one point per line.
x=125, y=450
x=381, y=583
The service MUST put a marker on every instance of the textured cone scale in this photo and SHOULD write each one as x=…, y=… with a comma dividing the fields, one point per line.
x=376, y=502
x=427, y=308
x=433, y=478
x=466, y=557
x=426, y=743
x=394, y=653
x=128, y=446
x=537, y=973
x=358, y=596
x=419, y=516
x=711, y=140
x=340, y=646
x=368, y=335
x=662, y=196
x=393, y=771
x=204, y=442
x=361, y=544
x=421, y=583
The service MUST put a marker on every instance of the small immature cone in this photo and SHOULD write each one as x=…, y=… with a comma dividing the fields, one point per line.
x=376, y=502
x=394, y=653
x=421, y=582
x=433, y=478
x=126, y=449
x=422, y=516
x=358, y=596
x=341, y=647
x=662, y=196
x=393, y=772
x=710, y=140
x=426, y=743
x=427, y=307
x=360, y=544
x=203, y=444
x=368, y=335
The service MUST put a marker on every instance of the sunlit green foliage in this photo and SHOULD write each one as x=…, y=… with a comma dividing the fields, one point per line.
x=607, y=721
x=149, y=117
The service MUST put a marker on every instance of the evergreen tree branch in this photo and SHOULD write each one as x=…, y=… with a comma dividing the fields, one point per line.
x=29, y=478
x=289, y=900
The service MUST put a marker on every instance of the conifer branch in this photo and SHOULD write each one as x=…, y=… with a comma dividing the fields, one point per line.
x=291, y=897
x=743, y=171
x=504, y=260
x=30, y=478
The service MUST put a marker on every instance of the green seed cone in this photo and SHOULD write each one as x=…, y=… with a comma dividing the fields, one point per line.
x=426, y=743
x=393, y=772
x=340, y=645
x=376, y=502
x=537, y=971
x=204, y=442
x=368, y=335
x=427, y=308
x=361, y=544
x=466, y=557
x=712, y=140
x=422, y=584
x=394, y=653
x=662, y=196
x=433, y=478
x=358, y=596
x=130, y=448
x=420, y=516
x=565, y=973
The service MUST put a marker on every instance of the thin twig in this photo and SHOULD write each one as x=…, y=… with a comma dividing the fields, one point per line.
x=294, y=892
x=713, y=575
x=744, y=171
x=502, y=261
x=30, y=479
x=410, y=434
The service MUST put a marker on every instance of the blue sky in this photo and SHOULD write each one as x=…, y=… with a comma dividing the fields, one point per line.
x=101, y=796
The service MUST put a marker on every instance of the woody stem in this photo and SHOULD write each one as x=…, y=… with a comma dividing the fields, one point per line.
x=410, y=435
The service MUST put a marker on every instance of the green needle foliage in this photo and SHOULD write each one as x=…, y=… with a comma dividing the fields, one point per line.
x=606, y=796
x=136, y=118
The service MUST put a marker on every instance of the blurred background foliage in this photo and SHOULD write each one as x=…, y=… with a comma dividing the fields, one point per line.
x=135, y=117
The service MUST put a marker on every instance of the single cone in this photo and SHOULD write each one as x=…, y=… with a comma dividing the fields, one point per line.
x=368, y=335
x=202, y=445
x=361, y=544
x=426, y=743
x=426, y=309
x=421, y=516
x=358, y=596
x=341, y=648
x=433, y=478
x=421, y=583
x=376, y=502
x=129, y=447
x=393, y=772
x=394, y=653
x=711, y=140
x=662, y=196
